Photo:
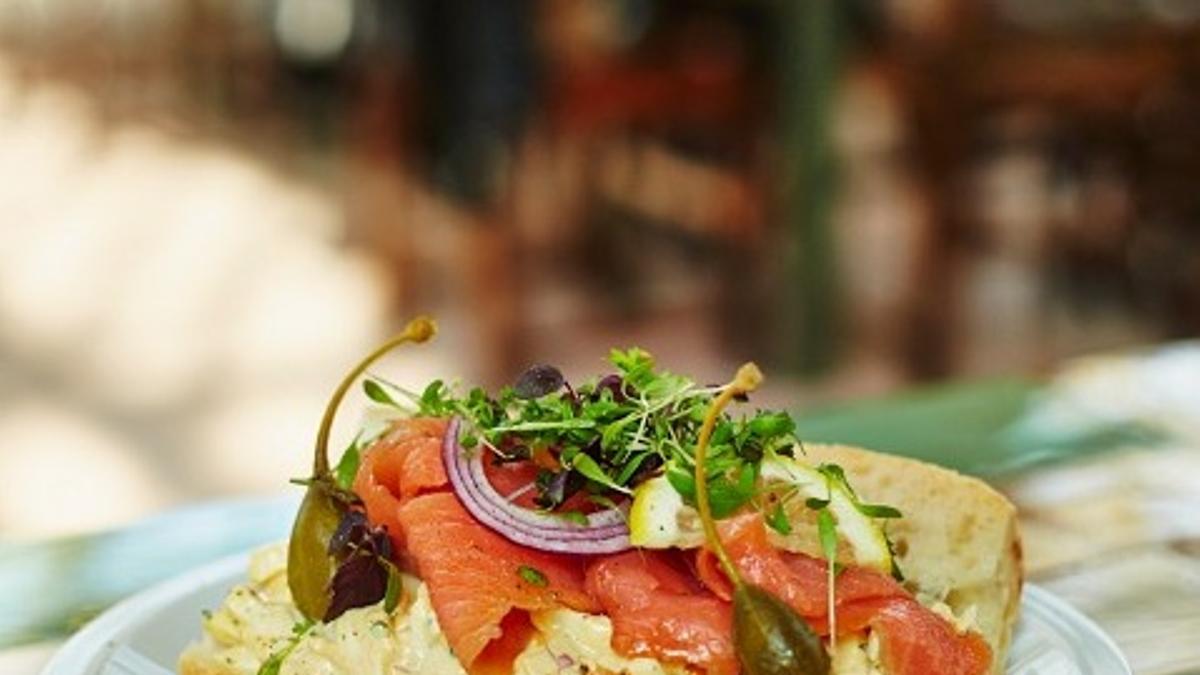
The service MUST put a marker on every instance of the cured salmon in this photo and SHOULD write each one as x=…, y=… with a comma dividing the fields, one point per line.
x=659, y=611
x=914, y=640
x=479, y=582
x=799, y=580
x=477, y=578
x=403, y=463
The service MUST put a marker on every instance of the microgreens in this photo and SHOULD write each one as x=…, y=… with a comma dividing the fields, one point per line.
x=347, y=466
x=607, y=434
x=827, y=532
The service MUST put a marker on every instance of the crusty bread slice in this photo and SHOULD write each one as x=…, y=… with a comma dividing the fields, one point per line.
x=958, y=538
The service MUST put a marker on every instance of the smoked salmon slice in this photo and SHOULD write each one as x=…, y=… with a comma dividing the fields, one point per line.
x=797, y=579
x=482, y=586
x=476, y=577
x=659, y=611
x=403, y=463
x=914, y=640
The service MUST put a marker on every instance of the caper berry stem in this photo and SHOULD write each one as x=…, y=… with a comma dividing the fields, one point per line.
x=418, y=330
x=747, y=379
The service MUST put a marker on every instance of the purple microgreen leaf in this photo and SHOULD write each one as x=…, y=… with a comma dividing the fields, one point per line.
x=360, y=581
x=355, y=534
x=613, y=384
x=552, y=488
x=538, y=381
x=349, y=533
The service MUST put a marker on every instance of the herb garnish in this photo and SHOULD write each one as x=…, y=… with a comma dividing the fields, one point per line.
x=827, y=532
x=532, y=576
x=365, y=572
x=608, y=434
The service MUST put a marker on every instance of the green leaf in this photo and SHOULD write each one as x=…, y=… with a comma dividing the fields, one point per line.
x=636, y=366
x=273, y=663
x=347, y=466
x=816, y=504
x=433, y=399
x=778, y=520
x=827, y=531
x=684, y=483
x=878, y=510
x=377, y=393
x=611, y=437
x=768, y=425
x=725, y=496
x=575, y=517
x=587, y=466
x=391, y=596
x=603, y=409
x=722, y=433
x=836, y=476
x=631, y=467
x=532, y=576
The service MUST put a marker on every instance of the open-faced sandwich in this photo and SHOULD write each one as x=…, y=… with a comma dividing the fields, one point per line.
x=626, y=524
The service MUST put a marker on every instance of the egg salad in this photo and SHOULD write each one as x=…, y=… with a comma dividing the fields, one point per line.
x=259, y=631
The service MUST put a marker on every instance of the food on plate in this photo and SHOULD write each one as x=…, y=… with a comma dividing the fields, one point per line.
x=623, y=524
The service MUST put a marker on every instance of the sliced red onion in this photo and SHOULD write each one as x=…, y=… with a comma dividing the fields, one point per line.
x=605, y=532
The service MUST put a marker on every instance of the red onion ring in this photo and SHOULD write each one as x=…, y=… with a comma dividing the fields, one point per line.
x=605, y=532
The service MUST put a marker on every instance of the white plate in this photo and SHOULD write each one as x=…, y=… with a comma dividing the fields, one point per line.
x=1051, y=639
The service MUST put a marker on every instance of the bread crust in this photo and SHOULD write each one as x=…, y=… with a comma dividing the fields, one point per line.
x=958, y=538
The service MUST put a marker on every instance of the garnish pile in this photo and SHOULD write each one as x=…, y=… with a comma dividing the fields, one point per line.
x=602, y=437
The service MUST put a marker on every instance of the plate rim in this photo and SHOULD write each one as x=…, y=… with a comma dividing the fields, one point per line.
x=1037, y=595
x=82, y=650
x=97, y=638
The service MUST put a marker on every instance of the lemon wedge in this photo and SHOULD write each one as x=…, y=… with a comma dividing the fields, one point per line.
x=864, y=534
x=660, y=519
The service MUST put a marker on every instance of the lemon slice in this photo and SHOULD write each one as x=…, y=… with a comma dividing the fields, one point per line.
x=660, y=519
x=864, y=534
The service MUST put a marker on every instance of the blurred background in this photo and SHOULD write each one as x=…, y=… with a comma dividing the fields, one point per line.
x=212, y=207
x=915, y=214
